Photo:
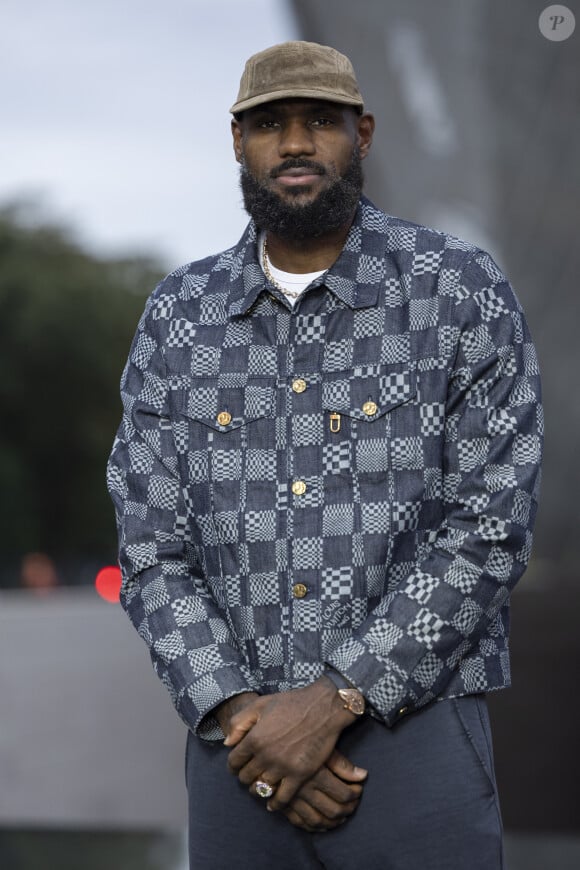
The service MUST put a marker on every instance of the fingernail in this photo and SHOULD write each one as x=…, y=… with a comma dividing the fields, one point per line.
x=361, y=770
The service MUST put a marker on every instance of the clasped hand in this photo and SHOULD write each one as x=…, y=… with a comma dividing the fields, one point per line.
x=288, y=740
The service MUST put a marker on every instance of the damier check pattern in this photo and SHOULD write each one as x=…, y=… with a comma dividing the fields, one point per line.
x=414, y=515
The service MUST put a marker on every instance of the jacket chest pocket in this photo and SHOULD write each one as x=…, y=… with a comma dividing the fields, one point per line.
x=364, y=407
x=222, y=425
x=366, y=396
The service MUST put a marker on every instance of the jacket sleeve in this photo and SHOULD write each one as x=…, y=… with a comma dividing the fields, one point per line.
x=163, y=591
x=420, y=636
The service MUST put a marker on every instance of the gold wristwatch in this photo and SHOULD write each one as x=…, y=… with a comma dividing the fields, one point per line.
x=353, y=701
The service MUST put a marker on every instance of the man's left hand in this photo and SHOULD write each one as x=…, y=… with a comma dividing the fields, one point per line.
x=327, y=799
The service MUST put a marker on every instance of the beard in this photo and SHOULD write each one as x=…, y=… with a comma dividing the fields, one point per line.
x=331, y=210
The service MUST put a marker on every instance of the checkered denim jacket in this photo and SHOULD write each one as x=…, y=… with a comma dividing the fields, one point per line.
x=352, y=482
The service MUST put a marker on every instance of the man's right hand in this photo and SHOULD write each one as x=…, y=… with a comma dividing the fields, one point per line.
x=328, y=798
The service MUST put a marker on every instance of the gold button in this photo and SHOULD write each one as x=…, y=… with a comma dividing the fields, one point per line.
x=224, y=418
x=299, y=590
x=299, y=385
x=369, y=408
x=298, y=487
x=402, y=711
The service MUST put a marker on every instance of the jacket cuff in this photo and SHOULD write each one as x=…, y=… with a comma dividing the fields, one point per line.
x=337, y=678
x=387, y=694
x=202, y=697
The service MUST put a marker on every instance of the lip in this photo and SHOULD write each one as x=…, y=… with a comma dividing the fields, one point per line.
x=297, y=177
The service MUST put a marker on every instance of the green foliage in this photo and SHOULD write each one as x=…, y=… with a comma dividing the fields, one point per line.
x=66, y=323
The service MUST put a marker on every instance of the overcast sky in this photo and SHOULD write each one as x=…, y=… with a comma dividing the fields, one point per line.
x=115, y=116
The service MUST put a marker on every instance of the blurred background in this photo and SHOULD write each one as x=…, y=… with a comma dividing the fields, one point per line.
x=115, y=167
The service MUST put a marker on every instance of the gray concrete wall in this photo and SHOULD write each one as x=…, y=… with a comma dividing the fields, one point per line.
x=88, y=735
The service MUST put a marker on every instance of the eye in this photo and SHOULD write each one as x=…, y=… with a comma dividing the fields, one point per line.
x=322, y=122
x=267, y=124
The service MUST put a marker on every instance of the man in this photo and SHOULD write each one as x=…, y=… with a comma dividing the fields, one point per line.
x=325, y=483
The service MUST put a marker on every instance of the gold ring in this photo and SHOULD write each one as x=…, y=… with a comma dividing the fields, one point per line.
x=264, y=789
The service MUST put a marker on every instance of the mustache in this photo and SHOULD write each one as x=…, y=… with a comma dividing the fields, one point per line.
x=298, y=163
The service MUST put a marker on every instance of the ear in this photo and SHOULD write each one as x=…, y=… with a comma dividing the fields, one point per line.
x=366, y=128
x=238, y=137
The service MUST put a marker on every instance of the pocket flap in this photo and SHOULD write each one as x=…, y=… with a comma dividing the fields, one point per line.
x=226, y=406
x=367, y=393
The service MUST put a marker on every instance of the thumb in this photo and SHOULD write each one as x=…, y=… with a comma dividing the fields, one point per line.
x=345, y=769
x=239, y=726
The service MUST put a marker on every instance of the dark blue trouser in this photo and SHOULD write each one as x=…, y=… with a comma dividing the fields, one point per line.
x=429, y=803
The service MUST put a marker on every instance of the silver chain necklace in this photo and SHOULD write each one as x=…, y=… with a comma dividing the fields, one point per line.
x=292, y=294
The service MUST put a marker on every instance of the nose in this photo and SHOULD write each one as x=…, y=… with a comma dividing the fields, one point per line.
x=295, y=139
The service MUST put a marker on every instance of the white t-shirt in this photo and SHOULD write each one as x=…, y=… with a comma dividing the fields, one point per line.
x=296, y=282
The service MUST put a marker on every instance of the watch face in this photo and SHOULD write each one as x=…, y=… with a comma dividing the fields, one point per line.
x=358, y=705
x=353, y=700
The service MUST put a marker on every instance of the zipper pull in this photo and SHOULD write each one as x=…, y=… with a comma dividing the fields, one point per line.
x=335, y=422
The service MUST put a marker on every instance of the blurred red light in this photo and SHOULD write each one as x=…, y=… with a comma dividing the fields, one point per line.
x=108, y=583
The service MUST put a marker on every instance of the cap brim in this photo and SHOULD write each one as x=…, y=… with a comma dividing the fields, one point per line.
x=297, y=93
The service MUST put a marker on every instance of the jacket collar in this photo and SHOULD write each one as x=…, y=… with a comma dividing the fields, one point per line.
x=354, y=278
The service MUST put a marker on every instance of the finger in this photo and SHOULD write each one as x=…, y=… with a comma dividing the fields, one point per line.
x=345, y=769
x=234, y=739
x=253, y=771
x=312, y=818
x=331, y=785
x=324, y=805
x=323, y=784
x=239, y=726
x=285, y=791
x=240, y=756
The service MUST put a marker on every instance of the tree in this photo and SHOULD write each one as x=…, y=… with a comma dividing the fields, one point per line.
x=66, y=322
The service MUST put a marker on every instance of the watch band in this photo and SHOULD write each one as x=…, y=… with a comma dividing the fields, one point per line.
x=336, y=677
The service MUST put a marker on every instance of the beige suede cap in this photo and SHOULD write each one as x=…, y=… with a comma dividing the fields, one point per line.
x=298, y=69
